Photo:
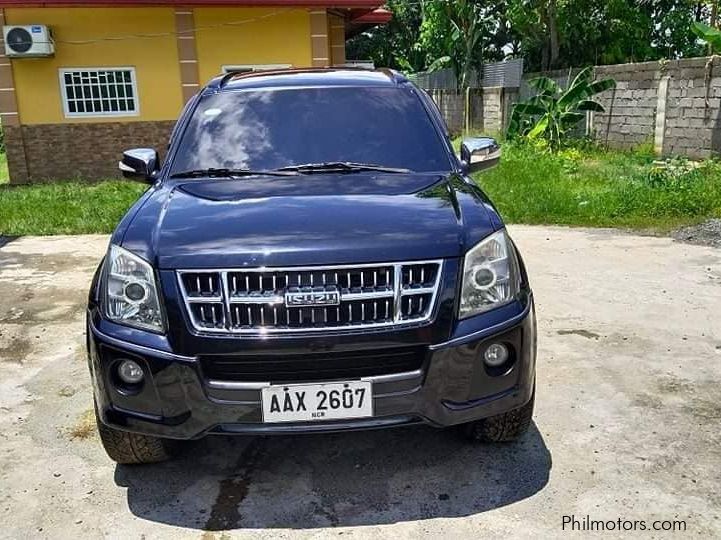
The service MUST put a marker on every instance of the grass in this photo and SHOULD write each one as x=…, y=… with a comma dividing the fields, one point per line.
x=84, y=427
x=4, y=176
x=583, y=186
x=65, y=208
x=596, y=188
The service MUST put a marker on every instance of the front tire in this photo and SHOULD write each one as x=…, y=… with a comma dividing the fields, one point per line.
x=504, y=427
x=133, y=448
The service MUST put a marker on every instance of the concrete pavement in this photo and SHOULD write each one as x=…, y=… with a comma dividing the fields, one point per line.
x=627, y=423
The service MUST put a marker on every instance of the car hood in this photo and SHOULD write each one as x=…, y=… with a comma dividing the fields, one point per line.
x=308, y=220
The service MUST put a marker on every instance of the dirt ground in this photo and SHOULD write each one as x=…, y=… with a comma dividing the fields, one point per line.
x=627, y=422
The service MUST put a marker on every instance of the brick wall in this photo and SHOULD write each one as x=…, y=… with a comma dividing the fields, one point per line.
x=83, y=151
x=15, y=152
x=693, y=112
x=492, y=110
x=488, y=113
x=660, y=103
x=676, y=105
x=630, y=114
x=451, y=103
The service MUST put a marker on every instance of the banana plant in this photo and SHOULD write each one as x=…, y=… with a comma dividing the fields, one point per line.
x=554, y=112
x=712, y=36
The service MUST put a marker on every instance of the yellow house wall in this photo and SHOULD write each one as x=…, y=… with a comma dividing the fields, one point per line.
x=155, y=59
x=265, y=36
x=272, y=36
x=336, y=35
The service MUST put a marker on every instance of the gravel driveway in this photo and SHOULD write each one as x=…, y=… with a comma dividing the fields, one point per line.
x=627, y=423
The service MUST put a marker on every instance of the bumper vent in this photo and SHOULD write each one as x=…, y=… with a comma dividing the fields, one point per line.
x=307, y=299
x=309, y=367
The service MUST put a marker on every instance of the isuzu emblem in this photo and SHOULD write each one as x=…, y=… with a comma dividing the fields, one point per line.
x=325, y=297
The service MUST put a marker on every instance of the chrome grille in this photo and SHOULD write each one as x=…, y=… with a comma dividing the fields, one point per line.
x=254, y=300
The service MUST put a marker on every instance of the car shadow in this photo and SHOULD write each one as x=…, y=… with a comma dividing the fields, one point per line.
x=311, y=481
x=4, y=240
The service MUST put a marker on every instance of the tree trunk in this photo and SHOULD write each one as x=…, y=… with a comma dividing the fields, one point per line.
x=552, y=34
x=544, y=58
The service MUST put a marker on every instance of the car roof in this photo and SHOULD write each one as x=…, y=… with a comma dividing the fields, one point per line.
x=309, y=77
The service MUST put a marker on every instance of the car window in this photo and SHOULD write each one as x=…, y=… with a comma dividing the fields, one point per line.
x=176, y=128
x=436, y=111
x=273, y=128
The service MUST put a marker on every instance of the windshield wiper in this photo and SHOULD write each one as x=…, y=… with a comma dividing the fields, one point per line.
x=341, y=166
x=229, y=173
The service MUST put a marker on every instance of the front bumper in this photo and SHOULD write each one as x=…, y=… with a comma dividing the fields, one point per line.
x=453, y=385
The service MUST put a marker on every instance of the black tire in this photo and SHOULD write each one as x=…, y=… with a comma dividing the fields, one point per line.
x=133, y=448
x=504, y=427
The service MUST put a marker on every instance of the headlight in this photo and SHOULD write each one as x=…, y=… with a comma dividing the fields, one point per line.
x=490, y=275
x=131, y=296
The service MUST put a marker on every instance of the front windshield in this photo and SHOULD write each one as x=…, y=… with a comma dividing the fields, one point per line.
x=270, y=129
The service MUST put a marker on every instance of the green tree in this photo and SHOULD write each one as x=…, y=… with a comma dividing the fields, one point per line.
x=604, y=31
x=672, y=33
x=462, y=34
x=395, y=44
x=535, y=25
x=548, y=34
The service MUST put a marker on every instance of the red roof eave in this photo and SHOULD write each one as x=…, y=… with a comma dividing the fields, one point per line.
x=377, y=16
x=368, y=4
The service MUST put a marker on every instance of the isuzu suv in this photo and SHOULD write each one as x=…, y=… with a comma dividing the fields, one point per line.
x=311, y=256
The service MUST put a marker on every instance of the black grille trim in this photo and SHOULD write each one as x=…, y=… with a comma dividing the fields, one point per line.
x=282, y=368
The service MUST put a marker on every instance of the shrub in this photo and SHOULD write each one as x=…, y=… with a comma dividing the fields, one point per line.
x=554, y=113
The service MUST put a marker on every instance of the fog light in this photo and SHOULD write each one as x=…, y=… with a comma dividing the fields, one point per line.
x=130, y=372
x=495, y=355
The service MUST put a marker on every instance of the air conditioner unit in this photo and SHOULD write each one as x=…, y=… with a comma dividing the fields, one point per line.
x=28, y=41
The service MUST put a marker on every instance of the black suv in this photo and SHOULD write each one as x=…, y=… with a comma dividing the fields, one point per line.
x=311, y=256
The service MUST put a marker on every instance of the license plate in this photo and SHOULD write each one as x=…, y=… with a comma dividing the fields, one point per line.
x=317, y=402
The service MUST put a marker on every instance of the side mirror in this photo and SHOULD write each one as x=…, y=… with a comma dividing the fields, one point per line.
x=140, y=164
x=480, y=153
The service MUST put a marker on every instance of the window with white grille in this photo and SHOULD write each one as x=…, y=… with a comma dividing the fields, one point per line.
x=99, y=92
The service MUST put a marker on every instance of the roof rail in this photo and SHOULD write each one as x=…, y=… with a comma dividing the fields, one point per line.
x=221, y=81
x=225, y=78
x=393, y=75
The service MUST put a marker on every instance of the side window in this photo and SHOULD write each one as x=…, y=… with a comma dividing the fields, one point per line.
x=89, y=92
x=176, y=127
x=428, y=100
